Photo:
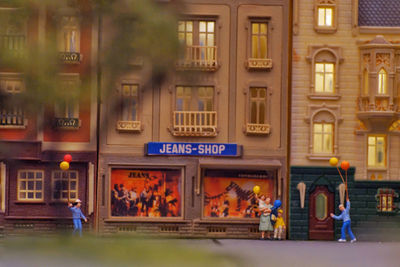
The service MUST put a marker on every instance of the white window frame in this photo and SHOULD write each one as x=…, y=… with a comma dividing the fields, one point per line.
x=54, y=180
x=26, y=190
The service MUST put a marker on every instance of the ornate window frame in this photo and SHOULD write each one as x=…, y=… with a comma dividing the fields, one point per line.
x=385, y=198
x=333, y=111
x=316, y=55
x=326, y=4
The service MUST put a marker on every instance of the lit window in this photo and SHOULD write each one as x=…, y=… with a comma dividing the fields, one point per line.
x=198, y=36
x=324, y=77
x=190, y=98
x=64, y=185
x=30, y=185
x=259, y=40
x=323, y=138
x=325, y=16
x=258, y=97
x=69, y=35
x=382, y=82
x=376, y=151
x=130, y=102
x=386, y=199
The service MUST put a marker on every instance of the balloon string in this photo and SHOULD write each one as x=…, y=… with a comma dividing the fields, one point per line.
x=341, y=175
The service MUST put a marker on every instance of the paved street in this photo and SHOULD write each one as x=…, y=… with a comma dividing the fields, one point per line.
x=230, y=252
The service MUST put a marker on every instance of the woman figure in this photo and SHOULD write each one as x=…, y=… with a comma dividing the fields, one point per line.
x=265, y=219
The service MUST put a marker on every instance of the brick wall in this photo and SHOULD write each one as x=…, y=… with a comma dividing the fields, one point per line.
x=367, y=223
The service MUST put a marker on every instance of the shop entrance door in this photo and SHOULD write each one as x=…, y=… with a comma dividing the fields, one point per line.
x=320, y=221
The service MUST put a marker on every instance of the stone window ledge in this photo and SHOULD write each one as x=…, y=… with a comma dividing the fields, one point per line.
x=321, y=157
x=316, y=96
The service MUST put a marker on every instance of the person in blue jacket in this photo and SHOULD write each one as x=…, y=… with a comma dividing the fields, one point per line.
x=76, y=216
x=345, y=216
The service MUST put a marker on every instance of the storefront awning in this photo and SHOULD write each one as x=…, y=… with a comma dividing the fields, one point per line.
x=240, y=163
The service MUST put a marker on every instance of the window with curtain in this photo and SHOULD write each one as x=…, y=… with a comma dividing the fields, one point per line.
x=194, y=98
x=129, y=102
x=259, y=39
x=324, y=77
x=323, y=136
x=377, y=151
x=69, y=34
x=258, y=103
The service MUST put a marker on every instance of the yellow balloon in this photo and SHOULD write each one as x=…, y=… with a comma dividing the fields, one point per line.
x=256, y=189
x=333, y=161
x=64, y=165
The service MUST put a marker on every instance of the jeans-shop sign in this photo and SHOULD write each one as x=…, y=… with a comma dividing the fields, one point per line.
x=193, y=149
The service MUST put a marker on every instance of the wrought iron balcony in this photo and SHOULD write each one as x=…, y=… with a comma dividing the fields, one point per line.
x=67, y=123
x=378, y=112
x=195, y=123
x=13, y=44
x=199, y=58
x=12, y=117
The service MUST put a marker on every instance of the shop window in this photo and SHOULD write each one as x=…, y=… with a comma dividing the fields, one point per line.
x=30, y=185
x=69, y=39
x=228, y=193
x=64, y=185
x=146, y=193
x=376, y=151
x=66, y=110
x=325, y=61
x=12, y=32
x=129, y=116
x=257, y=119
x=325, y=17
x=258, y=54
x=199, y=41
x=386, y=200
x=382, y=82
x=12, y=113
x=194, y=111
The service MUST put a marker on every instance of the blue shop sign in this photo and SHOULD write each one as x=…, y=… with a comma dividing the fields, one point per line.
x=193, y=149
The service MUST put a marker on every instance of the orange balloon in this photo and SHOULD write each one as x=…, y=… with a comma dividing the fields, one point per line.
x=345, y=165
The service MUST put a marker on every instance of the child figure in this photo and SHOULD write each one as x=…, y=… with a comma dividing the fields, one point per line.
x=279, y=225
x=264, y=207
x=76, y=216
x=345, y=216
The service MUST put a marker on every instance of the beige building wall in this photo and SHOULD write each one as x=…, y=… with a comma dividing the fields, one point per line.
x=347, y=38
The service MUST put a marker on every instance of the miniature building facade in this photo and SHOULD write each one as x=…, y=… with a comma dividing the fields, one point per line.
x=182, y=156
x=344, y=105
x=34, y=191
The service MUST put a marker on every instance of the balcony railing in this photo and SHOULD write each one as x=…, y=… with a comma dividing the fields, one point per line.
x=70, y=57
x=129, y=126
x=259, y=63
x=15, y=44
x=195, y=123
x=382, y=103
x=199, y=57
x=13, y=116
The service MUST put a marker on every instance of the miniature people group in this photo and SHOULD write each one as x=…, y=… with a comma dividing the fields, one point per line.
x=269, y=222
x=151, y=202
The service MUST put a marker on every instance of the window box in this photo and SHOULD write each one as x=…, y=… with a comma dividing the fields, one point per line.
x=70, y=57
x=259, y=64
x=67, y=123
x=129, y=126
x=261, y=129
